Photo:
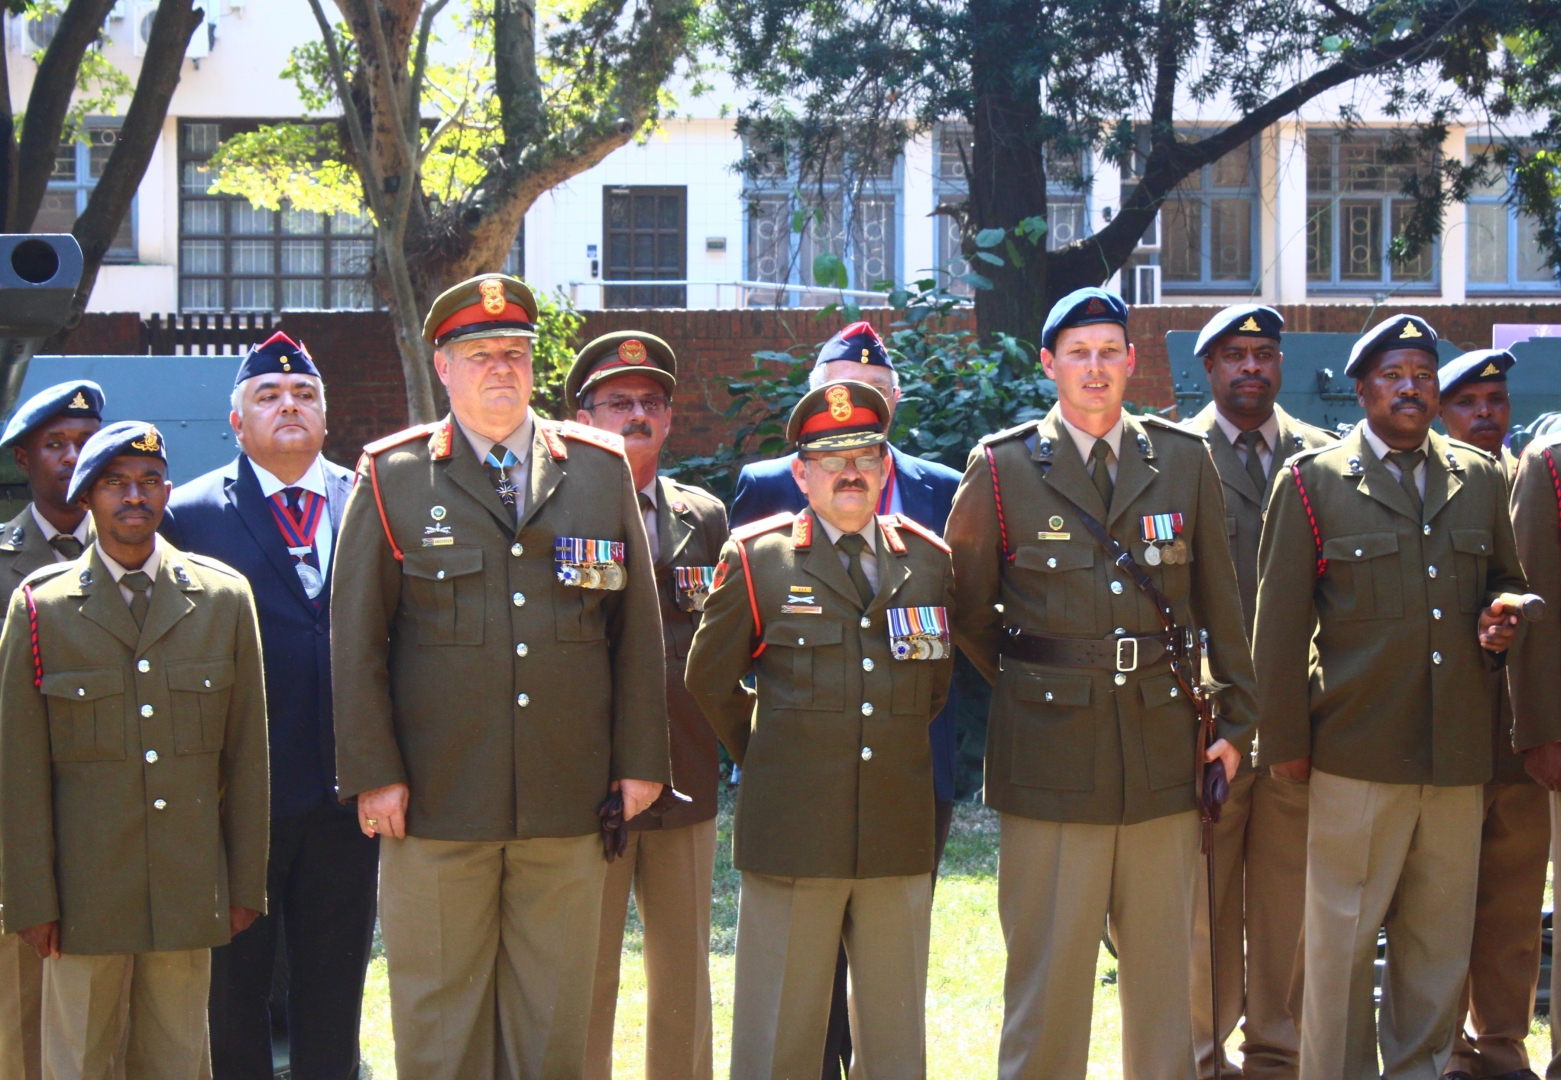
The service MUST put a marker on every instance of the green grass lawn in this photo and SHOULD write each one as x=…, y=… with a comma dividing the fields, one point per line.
x=964, y=978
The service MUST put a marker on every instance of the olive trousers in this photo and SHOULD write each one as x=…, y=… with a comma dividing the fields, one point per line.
x=21, y=993
x=491, y=951
x=1057, y=886
x=1404, y=857
x=669, y=872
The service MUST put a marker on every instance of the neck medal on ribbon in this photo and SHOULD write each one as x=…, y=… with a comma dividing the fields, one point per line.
x=299, y=531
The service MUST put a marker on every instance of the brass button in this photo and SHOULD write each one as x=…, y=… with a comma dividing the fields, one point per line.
x=523, y=700
x=519, y=599
x=1426, y=529
x=1436, y=658
x=1119, y=678
x=1051, y=564
x=1436, y=613
x=159, y=804
x=516, y=550
x=146, y=710
x=151, y=757
x=439, y=575
x=1049, y=695
x=208, y=684
x=143, y=666
x=867, y=663
x=1431, y=570
x=81, y=691
x=1116, y=588
x=1359, y=553
x=521, y=650
x=867, y=708
x=1176, y=691
x=867, y=753
x=866, y=622
x=802, y=641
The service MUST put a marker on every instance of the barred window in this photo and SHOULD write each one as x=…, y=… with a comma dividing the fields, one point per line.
x=1355, y=209
x=1504, y=252
x=77, y=169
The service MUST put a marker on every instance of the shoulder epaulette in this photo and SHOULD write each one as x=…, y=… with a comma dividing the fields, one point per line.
x=606, y=440
x=1170, y=425
x=889, y=525
x=922, y=531
x=45, y=572
x=1487, y=455
x=1548, y=441
x=763, y=525
x=211, y=564
x=1014, y=432
x=404, y=436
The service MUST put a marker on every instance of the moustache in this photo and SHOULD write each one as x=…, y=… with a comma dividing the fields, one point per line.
x=1409, y=403
x=850, y=485
x=636, y=427
x=1259, y=381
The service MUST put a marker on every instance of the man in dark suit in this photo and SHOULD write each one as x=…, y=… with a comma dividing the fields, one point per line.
x=273, y=514
x=923, y=491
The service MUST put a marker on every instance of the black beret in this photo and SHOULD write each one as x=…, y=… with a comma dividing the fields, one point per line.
x=1395, y=332
x=79, y=400
x=858, y=342
x=1247, y=320
x=279, y=355
x=123, y=438
x=623, y=352
x=1481, y=365
x=840, y=415
x=1082, y=307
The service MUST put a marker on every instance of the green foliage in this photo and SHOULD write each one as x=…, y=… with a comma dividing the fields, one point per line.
x=300, y=164
x=100, y=86
x=553, y=351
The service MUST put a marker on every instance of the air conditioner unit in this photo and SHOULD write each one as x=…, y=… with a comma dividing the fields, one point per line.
x=120, y=10
x=146, y=11
x=1146, y=284
x=1150, y=241
x=29, y=36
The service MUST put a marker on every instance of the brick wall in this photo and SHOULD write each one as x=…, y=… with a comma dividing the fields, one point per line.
x=357, y=355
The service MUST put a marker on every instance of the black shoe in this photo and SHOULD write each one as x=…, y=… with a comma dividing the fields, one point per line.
x=1458, y=1074
x=1521, y=1074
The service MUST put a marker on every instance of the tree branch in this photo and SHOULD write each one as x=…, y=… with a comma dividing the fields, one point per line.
x=419, y=67
x=1360, y=22
x=515, y=80
x=373, y=185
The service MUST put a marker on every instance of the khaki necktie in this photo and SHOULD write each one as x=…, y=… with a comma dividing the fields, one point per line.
x=138, y=584
x=1253, y=440
x=1407, y=461
x=1102, y=475
x=853, y=544
x=66, y=544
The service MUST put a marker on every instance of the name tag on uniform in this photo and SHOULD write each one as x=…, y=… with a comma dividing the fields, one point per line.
x=919, y=633
x=693, y=586
x=590, y=564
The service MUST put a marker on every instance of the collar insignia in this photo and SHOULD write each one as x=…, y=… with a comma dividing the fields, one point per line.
x=439, y=443
x=802, y=530
x=1355, y=466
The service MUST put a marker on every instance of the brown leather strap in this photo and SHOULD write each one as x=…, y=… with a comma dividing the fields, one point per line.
x=1108, y=654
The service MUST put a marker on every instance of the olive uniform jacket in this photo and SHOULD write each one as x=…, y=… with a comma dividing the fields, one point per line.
x=691, y=527
x=23, y=549
x=136, y=806
x=1072, y=744
x=463, y=667
x=1399, y=691
x=833, y=742
x=1506, y=763
x=1534, y=665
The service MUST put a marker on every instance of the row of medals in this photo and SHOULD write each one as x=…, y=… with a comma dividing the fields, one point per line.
x=1169, y=552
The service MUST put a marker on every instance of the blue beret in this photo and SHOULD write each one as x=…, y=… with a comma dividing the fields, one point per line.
x=278, y=355
x=1395, y=332
x=1081, y=307
x=122, y=438
x=79, y=400
x=859, y=342
x=1247, y=320
x=1481, y=365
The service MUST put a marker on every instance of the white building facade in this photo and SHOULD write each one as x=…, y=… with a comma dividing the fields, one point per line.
x=1303, y=213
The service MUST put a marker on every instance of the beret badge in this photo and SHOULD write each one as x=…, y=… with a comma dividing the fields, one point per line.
x=79, y=402
x=1409, y=331
x=1095, y=307
x=632, y=351
x=492, y=291
x=150, y=443
x=839, y=399
x=1250, y=325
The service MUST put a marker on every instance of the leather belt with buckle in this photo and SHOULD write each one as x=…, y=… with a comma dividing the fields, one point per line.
x=1109, y=654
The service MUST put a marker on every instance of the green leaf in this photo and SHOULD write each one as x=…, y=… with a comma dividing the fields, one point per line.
x=829, y=271
x=988, y=257
x=1032, y=228
x=989, y=237
x=1332, y=43
x=976, y=280
x=852, y=310
x=799, y=220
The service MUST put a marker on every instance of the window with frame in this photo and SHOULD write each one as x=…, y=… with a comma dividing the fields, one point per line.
x=854, y=217
x=77, y=169
x=1355, y=208
x=645, y=230
x=1504, y=253
x=234, y=256
x=1209, y=231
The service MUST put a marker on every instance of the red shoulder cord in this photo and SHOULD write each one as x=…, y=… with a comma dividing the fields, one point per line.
x=380, y=502
x=997, y=497
x=32, y=626
x=1555, y=481
x=753, y=603
x=1306, y=504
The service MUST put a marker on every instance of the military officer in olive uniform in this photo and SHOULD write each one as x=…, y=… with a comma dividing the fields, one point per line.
x=133, y=762
x=622, y=383
x=1260, y=841
x=1092, y=750
x=46, y=434
x=1498, y=999
x=842, y=616
x=497, y=649
x=1378, y=624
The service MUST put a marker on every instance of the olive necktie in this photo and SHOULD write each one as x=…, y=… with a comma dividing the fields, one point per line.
x=138, y=583
x=1407, y=461
x=66, y=544
x=853, y=544
x=1252, y=440
x=1102, y=475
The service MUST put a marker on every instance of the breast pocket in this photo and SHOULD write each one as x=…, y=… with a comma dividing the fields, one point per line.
x=817, y=667
x=443, y=590
x=1169, y=728
x=1053, y=740
x=199, y=693
x=1472, y=551
x=86, y=714
x=1364, y=578
x=1065, y=574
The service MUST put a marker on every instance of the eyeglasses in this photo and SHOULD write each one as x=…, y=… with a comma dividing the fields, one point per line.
x=865, y=463
x=623, y=406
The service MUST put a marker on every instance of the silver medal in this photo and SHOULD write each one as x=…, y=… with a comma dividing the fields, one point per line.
x=313, y=580
x=1151, y=555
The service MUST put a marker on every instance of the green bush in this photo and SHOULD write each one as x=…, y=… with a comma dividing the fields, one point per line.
x=553, y=351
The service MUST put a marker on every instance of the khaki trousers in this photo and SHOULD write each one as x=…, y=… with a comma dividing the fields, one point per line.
x=1057, y=884
x=1403, y=856
x=1498, y=997
x=670, y=872
x=789, y=931
x=490, y=948
x=21, y=995
x=1260, y=888
x=163, y=1035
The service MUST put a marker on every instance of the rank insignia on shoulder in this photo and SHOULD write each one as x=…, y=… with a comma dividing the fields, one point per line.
x=919, y=633
x=693, y=586
x=802, y=532
x=590, y=564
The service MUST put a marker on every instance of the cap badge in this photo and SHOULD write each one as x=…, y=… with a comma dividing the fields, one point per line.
x=150, y=443
x=632, y=351
x=492, y=296
x=1490, y=369
x=864, y=356
x=1250, y=325
x=1095, y=307
x=1409, y=331
x=287, y=363
x=78, y=402
x=839, y=399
